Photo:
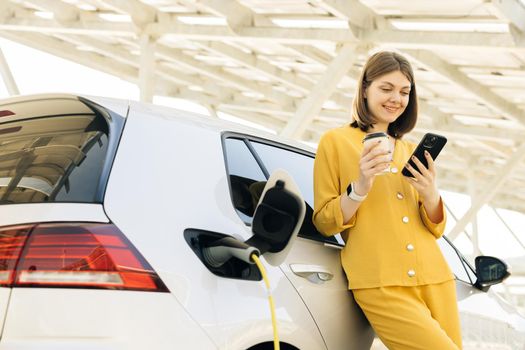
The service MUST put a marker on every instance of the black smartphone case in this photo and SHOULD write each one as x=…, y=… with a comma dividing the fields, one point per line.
x=432, y=143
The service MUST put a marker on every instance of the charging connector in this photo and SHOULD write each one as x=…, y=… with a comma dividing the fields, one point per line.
x=276, y=222
x=276, y=345
x=222, y=250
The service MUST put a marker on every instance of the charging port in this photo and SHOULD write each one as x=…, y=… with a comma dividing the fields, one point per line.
x=234, y=267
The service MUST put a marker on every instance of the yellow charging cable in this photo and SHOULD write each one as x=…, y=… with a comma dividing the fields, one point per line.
x=255, y=258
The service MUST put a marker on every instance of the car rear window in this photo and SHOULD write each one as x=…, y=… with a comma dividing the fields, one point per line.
x=54, y=158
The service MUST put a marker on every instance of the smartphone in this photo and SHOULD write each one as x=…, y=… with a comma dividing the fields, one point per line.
x=432, y=143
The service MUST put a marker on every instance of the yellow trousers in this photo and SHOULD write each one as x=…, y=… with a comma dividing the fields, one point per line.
x=416, y=318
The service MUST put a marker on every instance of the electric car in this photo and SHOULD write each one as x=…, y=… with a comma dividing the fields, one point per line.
x=108, y=209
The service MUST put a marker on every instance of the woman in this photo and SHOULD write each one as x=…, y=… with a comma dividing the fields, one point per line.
x=390, y=222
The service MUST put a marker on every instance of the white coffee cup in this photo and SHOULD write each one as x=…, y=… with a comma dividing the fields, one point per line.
x=383, y=142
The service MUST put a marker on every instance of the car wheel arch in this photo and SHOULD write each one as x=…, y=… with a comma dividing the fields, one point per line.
x=269, y=346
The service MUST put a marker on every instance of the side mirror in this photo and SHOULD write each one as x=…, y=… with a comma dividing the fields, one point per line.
x=490, y=271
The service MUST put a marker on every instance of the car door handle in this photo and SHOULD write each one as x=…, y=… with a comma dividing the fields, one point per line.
x=313, y=273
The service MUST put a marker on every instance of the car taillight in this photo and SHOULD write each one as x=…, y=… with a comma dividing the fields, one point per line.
x=73, y=255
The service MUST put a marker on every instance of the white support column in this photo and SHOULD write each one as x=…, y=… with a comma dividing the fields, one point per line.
x=7, y=76
x=474, y=222
x=313, y=104
x=488, y=191
x=147, y=68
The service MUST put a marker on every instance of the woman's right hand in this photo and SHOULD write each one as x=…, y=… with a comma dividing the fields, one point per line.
x=373, y=161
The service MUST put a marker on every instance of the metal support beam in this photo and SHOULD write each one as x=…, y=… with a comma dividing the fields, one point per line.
x=440, y=120
x=216, y=73
x=415, y=40
x=512, y=11
x=163, y=74
x=122, y=56
x=312, y=105
x=63, y=12
x=237, y=101
x=212, y=110
x=140, y=13
x=475, y=232
x=7, y=76
x=147, y=68
x=91, y=24
x=358, y=15
x=236, y=14
x=19, y=19
x=251, y=61
x=451, y=212
x=239, y=16
x=511, y=231
x=454, y=75
x=59, y=48
x=489, y=191
x=291, y=80
x=510, y=202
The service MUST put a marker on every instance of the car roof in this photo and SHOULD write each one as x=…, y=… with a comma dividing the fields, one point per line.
x=27, y=106
x=39, y=105
x=215, y=124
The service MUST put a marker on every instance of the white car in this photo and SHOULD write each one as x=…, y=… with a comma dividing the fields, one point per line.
x=106, y=208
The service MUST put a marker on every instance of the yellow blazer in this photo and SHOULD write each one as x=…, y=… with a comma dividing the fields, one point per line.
x=390, y=241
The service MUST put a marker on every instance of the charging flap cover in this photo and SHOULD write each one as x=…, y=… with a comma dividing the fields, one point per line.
x=292, y=202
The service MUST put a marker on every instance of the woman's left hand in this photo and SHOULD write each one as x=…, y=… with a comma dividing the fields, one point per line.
x=424, y=179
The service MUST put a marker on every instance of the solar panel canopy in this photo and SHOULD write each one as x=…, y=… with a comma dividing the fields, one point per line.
x=292, y=66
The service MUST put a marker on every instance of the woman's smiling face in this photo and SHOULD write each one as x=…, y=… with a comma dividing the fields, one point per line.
x=387, y=97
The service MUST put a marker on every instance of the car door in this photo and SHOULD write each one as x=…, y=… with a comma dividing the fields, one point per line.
x=487, y=321
x=313, y=264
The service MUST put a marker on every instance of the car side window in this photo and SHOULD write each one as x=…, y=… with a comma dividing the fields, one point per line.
x=245, y=178
x=298, y=165
x=455, y=261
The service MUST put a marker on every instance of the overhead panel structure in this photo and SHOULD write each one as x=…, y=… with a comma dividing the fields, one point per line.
x=292, y=66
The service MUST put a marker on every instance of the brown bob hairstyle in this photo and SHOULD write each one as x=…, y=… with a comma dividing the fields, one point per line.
x=377, y=65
